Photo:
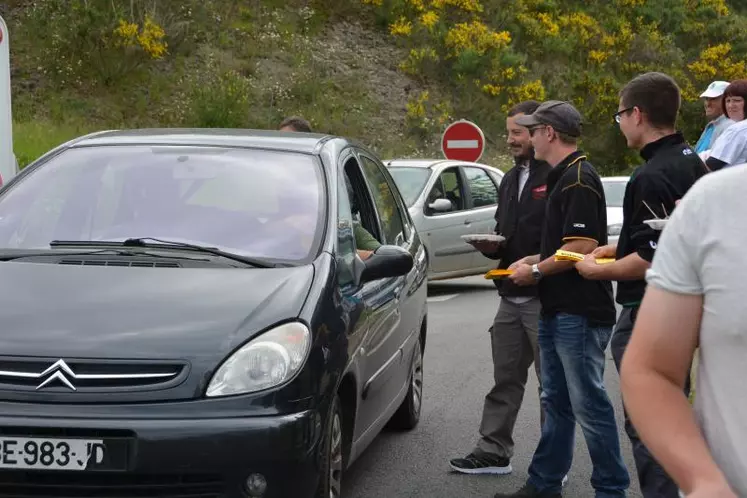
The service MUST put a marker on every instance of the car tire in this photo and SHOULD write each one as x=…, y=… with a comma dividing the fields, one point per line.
x=330, y=481
x=408, y=415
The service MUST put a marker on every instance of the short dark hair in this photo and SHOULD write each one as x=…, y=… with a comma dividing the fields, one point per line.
x=656, y=95
x=297, y=123
x=737, y=88
x=527, y=107
x=567, y=139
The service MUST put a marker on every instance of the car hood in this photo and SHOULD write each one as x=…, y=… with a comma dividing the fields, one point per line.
x=59, y=311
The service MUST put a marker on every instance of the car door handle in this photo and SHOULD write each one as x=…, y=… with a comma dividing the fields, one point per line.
x=467, y=222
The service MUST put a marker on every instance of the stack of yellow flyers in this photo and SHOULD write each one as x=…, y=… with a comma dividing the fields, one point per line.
x=493, y=274
x=562, y=255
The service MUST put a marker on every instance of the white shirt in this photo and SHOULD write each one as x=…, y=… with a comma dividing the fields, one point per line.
x=523, y=176
x=731, y=146
x=702, y=252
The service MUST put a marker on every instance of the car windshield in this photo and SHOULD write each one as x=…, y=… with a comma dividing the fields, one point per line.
x=614, y=192
x=410, y=181
x=249, y=202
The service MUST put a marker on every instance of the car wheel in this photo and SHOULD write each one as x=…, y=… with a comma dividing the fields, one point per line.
x=330, y=485
x=408, y=414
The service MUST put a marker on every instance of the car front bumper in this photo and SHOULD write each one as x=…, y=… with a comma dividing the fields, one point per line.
x=206, y=458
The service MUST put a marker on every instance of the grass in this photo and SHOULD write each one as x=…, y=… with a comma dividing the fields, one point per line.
x=267, y=66
x=31, y=139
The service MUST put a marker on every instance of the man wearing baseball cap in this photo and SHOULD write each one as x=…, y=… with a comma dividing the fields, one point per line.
x=577, y=315
x=714, y=110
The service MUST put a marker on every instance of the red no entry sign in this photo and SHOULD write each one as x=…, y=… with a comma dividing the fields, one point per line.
x=463, y=141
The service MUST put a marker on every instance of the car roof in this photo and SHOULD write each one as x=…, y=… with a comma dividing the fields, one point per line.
x=307, y=143
x=430, y=163
x=615, y=178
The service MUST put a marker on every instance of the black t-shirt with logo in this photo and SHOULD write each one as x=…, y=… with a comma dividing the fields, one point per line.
x=671, y=168
x=576, y=209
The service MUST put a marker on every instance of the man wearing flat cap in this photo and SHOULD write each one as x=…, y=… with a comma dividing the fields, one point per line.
x=577, y=314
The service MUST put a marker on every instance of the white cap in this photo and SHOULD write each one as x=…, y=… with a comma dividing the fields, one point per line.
x=715, y=89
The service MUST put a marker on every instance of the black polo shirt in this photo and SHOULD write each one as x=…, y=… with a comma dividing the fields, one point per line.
x=576, y=209
x=671, y=168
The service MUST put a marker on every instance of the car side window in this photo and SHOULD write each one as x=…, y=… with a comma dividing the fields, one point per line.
x=483, y=191
x=361, y=205
x=448, y=186
x=391, y=218
x=345, y=235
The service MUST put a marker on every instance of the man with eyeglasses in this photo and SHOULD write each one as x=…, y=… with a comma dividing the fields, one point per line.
x=577, y=315
x=646, y=115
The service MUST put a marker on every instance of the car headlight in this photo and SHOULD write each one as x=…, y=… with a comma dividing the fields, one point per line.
x=266, y=361
x=614, y=229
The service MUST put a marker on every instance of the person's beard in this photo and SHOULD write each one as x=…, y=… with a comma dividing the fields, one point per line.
x=525, y=156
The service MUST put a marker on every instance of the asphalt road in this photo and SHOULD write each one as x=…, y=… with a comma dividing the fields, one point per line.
x=458, y=374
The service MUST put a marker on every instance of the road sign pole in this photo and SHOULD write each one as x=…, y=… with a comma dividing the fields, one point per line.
x=8, y=165
x=463, y=141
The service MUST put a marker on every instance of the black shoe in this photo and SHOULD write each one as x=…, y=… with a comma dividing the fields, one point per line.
x=529, y=491
x=483, y=463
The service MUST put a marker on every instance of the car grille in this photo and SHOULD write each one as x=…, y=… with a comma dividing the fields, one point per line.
x=68, y=375
x=76, y=485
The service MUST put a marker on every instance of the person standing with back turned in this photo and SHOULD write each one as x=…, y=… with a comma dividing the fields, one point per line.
x=577, y=315
x=513, y=336
x=646, y=114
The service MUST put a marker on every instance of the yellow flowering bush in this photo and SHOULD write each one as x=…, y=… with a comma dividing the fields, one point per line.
x=495, y=53
x=429, y=19
x=149, y=38
x=718, y=6
x=475, y=36
x=418, y=60
x=465, y=5
x=401, y=27
x=426, y=119
x=716, y=62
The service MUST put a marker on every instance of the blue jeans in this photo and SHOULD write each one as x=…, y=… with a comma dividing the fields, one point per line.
x=572, y=358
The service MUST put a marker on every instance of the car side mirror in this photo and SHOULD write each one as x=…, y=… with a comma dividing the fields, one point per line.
x=386, y=262
x=441, y=205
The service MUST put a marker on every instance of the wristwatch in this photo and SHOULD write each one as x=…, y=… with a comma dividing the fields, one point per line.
x=536, y=273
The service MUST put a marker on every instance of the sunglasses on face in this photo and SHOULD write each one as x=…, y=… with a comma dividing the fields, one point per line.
x=533, y=129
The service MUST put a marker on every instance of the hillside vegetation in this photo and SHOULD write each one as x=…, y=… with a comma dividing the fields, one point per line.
x=390, y=73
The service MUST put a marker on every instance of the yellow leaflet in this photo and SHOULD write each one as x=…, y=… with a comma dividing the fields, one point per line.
x=561, y=255
x=493, y=274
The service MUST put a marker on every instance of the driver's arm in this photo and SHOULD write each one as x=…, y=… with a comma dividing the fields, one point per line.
x=364, y=241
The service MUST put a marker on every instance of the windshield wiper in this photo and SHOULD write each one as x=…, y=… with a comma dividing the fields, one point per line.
x=164, y=244
x=13, y=254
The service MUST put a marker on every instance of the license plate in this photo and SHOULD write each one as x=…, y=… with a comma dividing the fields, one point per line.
x=53, y=454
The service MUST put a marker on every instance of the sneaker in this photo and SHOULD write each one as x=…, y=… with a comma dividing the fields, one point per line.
x=529, y=491
x=484, y=463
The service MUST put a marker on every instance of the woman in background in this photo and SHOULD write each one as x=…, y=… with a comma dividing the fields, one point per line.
x=731, y=147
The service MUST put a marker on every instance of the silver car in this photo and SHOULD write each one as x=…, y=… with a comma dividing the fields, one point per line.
x=448, y=199
x=614, y=192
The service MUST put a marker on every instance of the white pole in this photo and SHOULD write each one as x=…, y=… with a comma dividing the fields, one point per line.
x=8, y=165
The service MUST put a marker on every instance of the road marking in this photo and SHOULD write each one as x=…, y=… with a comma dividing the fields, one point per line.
x=440, y=299
x=462, y=144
